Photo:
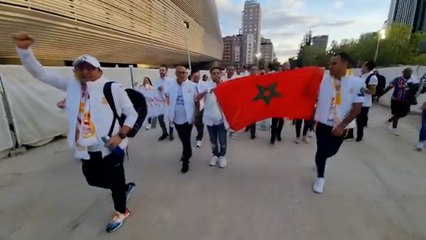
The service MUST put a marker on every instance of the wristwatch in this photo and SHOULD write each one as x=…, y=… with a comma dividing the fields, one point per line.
x=122, y=135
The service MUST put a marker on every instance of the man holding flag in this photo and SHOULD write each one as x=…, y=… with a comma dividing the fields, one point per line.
x=340, y=100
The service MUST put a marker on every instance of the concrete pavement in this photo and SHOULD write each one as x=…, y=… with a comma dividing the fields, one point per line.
x=374, y=190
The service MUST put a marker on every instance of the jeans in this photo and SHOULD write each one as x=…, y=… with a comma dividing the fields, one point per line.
x=107, y=173
x=276, y=128
x=218, y=139
x=184, y=132
x=422, y=135
x=327, y=146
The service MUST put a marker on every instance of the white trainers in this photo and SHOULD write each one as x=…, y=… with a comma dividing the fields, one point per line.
x=198, y=144
x=213, y=162
x=420, y=146
x=318, y=186
x=148, y=127
x=297, y=141
x=222, y=162
x=394, y=131
x=305, y=140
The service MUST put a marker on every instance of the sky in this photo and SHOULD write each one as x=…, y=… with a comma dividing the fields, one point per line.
x=285, y=22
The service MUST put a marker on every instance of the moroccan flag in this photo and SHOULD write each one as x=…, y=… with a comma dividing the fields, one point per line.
x=290, y=94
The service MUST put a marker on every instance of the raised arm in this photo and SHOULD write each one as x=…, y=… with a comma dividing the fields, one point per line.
x=23, y=43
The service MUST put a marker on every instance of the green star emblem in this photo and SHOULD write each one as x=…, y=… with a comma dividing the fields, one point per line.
x=267, y=93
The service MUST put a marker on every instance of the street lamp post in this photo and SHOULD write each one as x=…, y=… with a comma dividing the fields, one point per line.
x=187, y=44
x=381, y=36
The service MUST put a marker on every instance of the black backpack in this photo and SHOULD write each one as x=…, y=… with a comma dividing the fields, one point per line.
x=381, y=83
x=139, y=103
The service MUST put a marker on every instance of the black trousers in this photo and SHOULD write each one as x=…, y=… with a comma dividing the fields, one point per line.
x=107, y=173
x=327, y=146
x=184, y=132
x=199, y=125
x=252, y=128
x=361, y=122
x=276, y=128
x=306, y=127
x=163, y=126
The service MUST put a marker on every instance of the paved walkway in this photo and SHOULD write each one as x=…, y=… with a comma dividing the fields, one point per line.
x=374, y=190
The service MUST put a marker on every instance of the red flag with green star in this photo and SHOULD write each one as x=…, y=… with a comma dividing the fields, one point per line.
x=290, y=94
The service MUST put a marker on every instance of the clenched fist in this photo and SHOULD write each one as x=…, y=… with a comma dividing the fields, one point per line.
x=22, y=40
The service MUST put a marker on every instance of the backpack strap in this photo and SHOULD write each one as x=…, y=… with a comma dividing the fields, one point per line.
x=367, y=81
x=110, y=99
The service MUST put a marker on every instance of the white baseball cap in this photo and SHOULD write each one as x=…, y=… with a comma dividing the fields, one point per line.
x=87, y=58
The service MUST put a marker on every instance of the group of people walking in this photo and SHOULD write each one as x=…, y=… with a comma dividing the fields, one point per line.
x=100, y=145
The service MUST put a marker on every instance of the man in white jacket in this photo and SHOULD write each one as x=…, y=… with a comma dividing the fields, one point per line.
x=90, y=118
x=182, y=93
x=214, y=119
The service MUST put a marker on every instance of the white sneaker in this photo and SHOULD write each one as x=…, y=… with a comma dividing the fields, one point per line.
x=233, y=135
x=305, y=140
x=222, y=162
x=198, y=144
x=310, y=134
x=318, y=186
x=420, y=146
x=148, y=127
x=297, y=141
x=213, y=162
x=394, y=131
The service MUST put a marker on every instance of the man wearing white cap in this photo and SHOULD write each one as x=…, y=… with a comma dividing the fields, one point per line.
x=90, y=117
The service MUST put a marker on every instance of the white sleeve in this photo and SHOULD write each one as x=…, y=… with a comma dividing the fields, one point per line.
x=373, y=81
x=37, y=71
x=359, y=92
x=125, y=105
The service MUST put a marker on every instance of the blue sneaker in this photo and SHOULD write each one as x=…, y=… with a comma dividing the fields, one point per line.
x=117, y=221
x=130, y=186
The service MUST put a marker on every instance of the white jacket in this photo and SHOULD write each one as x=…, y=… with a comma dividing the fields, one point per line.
x=213, y=114
x=100, y=111
x=189, y=91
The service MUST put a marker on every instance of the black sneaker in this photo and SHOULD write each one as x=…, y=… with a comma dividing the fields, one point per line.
x=171, y=138
x=163, y=137
x=130, y=186
x=253, y=137
x=279, y=138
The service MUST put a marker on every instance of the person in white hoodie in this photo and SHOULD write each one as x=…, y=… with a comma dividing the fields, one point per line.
x=90, y=120
x=214, y=119
x=182, y=93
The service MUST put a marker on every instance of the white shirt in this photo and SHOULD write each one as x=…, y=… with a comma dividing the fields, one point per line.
x=163, y=82
x=368, y=99
x=351, y=92
x=180, y=113
x=212, y=112
x=189, y=92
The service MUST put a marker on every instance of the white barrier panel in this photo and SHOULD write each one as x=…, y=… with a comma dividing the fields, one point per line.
x=6, y=141
x=36, y=118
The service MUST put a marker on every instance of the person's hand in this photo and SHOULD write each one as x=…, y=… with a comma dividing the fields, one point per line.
x=114, y=142
x=160, y=88
x=22, y=40
x=338, y=131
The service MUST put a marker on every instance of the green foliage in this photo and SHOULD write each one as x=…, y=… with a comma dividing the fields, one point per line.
x=399, y=47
